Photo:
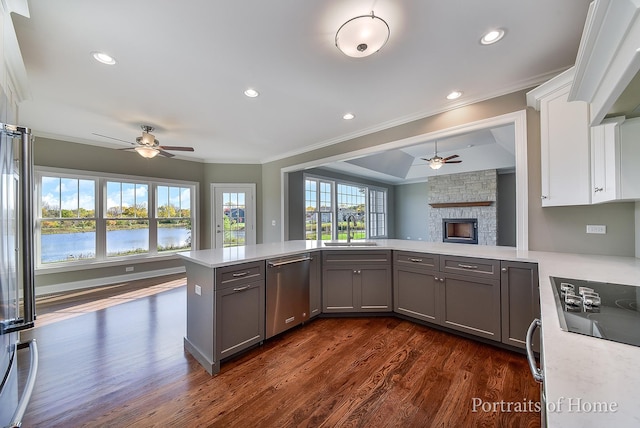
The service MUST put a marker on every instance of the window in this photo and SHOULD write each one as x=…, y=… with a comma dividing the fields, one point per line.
x=127, y=218
x=318, y=209
x=67, y=219
x=173, y=210
x=377, y=213
x=85, y=218
x=328, y=220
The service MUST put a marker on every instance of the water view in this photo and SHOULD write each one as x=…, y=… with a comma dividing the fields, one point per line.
x=81, y=245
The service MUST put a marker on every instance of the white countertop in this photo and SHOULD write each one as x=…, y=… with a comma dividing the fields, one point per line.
x=583, y=375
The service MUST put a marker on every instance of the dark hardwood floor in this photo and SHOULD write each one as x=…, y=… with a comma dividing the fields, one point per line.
x=123, y=365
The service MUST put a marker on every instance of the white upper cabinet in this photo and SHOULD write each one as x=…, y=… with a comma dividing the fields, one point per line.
x=565, y=136
x=605, y=160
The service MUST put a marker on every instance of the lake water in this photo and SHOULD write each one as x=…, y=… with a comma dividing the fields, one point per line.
x=64, y=246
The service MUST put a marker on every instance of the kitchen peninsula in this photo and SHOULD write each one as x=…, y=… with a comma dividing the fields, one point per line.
x=587, y=381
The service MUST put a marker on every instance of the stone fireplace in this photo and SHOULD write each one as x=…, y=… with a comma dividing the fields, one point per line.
x=464, y=196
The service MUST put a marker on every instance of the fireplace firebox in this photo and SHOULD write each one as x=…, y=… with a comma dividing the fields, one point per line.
x=460, y=230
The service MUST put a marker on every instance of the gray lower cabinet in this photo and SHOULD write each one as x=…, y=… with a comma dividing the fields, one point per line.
x=470, y=298
x=225, y=311
x=239, y=322
x=315, y=285
x=356, y=281
x=416, y=289
x=520, y=301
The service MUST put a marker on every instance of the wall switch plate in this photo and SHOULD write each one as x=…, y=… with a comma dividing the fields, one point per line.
x=273, y=222
x=597, y=228
x=198, y=290
x=128, y=269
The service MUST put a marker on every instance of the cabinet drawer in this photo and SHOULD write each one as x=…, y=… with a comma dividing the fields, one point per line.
x=482, y=268
x=424, y=261
x=232, y=276
x=338, y=258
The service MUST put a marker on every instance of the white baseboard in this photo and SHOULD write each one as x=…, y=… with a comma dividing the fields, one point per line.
x=98, y=282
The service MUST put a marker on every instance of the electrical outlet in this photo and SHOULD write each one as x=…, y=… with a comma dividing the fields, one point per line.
x=198, y=290
x=128, y=269
x=273, y=222
x=597, y=228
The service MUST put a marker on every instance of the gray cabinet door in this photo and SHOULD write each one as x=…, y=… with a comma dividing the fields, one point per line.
x=471, y=304
x=315, y=285
x=375, y=289
x=416, y=294
x=240, y=313
x=338, y=293
x=520, y=301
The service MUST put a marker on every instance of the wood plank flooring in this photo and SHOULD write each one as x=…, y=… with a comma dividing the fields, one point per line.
x=124, y=366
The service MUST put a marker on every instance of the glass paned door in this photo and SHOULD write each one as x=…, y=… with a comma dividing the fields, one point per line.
x=234, y=216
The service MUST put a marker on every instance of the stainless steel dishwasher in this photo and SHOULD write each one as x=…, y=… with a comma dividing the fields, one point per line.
x=287, y=293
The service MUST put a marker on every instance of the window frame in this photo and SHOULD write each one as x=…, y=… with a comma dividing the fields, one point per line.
x=100, y=179
x=334, y=204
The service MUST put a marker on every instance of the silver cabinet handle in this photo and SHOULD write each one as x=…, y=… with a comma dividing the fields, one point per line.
x=467, y=266
x=237, y=275
x=598, y=189
x=241, y=288
x=536, y=372
x=416, y=260
x=503, y=269
x=436, y=278
x=543, y=197
x=441, y=279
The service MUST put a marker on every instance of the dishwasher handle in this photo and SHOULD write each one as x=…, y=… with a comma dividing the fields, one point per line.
x=536, y=372
x=287, y=262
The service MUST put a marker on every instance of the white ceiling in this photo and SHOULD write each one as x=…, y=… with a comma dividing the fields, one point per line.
x=183, y=66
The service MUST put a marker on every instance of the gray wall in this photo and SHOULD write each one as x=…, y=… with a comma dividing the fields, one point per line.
x=507, y=210
x=296, y=198
x=551, y=229
x=563, y=228
x=228, y=173
x=67, y=155
x=411, y=215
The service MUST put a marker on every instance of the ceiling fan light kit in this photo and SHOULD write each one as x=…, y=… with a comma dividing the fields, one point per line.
x=362, y=36
x=147, y=146
x=146, y=152
x=436, y=161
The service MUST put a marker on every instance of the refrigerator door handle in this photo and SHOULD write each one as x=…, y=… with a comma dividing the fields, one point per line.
x=16, y=421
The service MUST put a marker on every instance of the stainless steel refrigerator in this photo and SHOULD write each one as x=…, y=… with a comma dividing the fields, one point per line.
x=17, y=308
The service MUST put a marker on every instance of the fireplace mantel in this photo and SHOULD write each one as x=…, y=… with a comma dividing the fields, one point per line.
x=461, y=204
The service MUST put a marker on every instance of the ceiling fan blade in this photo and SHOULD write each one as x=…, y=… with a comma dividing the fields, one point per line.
x=451, y=157
x=452, y=161
x=427, y=159
x=177, y=148
x=127, y=148
x=112, y=138
x=165, y=154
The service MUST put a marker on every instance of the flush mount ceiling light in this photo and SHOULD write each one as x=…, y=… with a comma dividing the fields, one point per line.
x=348, y=116
x=362, y=36
x=492, y=37
x=251, y=93
x=454, y=95
x=103, y=58
x=147, y=152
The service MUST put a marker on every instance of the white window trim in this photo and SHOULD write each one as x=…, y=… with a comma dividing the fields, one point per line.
x=101, y=259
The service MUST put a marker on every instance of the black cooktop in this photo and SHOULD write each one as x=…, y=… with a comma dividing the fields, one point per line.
x=599, y=309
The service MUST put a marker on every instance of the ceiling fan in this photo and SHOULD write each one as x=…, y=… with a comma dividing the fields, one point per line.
x=147, y=146
x=436, y=161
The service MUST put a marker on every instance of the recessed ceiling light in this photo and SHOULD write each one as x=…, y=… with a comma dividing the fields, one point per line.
x=454, y=95
x=103, y=58
x=492, y=36
x=251, y=93
x=348, y=116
